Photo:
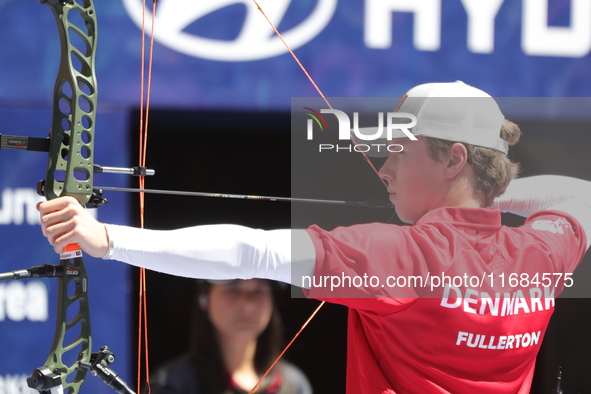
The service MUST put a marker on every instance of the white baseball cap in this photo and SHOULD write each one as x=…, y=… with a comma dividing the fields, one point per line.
x=451, y=111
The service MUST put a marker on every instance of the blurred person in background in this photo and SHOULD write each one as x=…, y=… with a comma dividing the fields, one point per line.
x=237, y=334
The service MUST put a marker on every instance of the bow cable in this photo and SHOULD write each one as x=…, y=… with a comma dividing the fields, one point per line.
x=143, y=139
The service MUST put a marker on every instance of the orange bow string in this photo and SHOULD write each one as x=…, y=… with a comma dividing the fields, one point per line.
x=144, y=117
x=145, y=92
x=354, y=141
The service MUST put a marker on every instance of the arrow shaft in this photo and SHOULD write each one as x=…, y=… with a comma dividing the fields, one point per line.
x=249, y=197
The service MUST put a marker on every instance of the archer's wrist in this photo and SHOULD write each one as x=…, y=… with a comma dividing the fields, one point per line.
x=110, y=244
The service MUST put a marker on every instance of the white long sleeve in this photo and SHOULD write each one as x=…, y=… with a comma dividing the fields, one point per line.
x=229, y=251
x=525, y=196
x=216, y=251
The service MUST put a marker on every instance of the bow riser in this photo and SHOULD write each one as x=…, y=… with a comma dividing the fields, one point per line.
x=69, y=169
x=69, y=173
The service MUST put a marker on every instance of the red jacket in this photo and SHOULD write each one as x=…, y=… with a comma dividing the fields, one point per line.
x=456, y=303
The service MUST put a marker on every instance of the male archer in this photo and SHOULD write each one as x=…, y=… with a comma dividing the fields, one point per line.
x=460, y=325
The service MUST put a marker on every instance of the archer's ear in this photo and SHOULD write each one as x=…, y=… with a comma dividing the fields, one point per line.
x=457, y=160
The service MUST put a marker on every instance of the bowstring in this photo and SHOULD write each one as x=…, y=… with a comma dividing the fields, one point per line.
x=287, y=347
x=368, y=161
x=144, y=117
x=145, y=93
x=314, y=84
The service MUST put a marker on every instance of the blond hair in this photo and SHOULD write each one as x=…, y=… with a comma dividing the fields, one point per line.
x=493, y=169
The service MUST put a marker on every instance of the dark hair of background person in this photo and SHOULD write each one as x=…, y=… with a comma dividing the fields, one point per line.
x=206, y=351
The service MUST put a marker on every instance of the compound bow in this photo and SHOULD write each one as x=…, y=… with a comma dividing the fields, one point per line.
x=69, y=172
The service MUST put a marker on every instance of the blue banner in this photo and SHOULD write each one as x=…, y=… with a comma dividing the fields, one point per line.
x=223, y=54
x=28, y=307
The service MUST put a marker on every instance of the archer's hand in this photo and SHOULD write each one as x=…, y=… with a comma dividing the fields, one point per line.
x=64, y=221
